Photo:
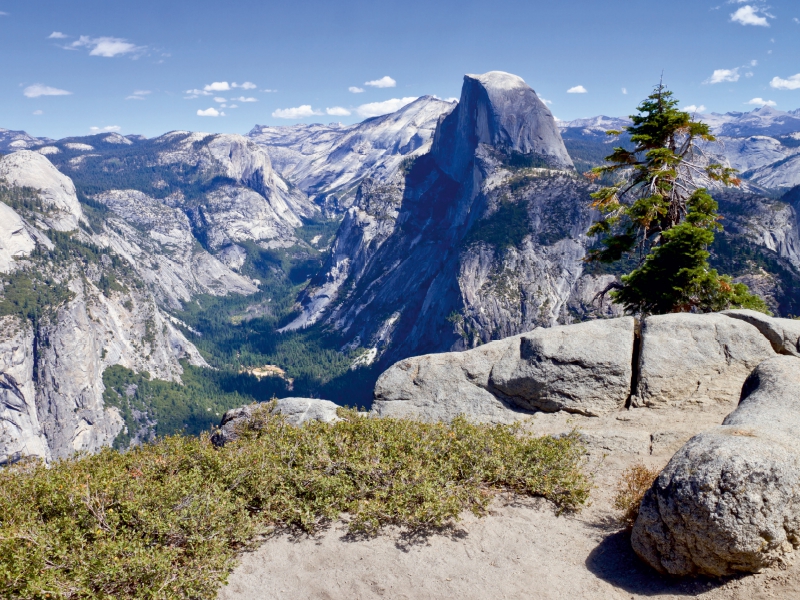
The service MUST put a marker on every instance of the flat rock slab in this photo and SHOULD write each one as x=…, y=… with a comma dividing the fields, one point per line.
x=584, y=368
x=687, y=358
x=729, y=500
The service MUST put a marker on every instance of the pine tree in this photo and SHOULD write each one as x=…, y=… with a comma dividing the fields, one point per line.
x=661, y=213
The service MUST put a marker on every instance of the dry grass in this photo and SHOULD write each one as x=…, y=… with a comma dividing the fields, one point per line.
x=631, y=488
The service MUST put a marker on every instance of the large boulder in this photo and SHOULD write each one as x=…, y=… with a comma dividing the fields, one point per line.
x=584, y=368
x=783, y=334
x=439, y=387
x=729, y=500
x=687, y=358
x=296, y=410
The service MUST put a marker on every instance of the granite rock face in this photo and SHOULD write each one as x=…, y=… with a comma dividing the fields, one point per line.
x=56, y=191
x=20, y=431
x=729, y=500
x=584, y=368
x=440, y=387
x=16, y=241
x=296, y=410
x=783, y=334
x=688, y=358
x=500, y=110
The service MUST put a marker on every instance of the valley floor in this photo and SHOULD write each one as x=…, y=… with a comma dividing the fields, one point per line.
x=522, y=549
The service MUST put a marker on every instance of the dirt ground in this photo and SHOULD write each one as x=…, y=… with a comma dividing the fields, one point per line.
x=522, y=549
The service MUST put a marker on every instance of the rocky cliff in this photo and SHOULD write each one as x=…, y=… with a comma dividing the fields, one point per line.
x=480, y=239
x=329, y=161
x=71, y=306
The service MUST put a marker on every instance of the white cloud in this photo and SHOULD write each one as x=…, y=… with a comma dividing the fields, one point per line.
x=793, y=83
x=355, y=90
x=107, y=47
x=578, y=89
x=796, y=20
x=195, y=93
x=138, y=95
x=209, y=112
x=3, y=14
x=107, y=128
x=38, y=112
x=217, y=86
x=246, y=99
x=37, y=89
x=269, y=91
x=693, y=108
x=753, y=63
x=545, y=100
x=247, y=85
x=762, y=102
x=451, y=99
x=383, y=82
x=375, y=109
x=219, y=99
x=298, y=112
x=56, y=35
x=723, y=75
x=337, y=111
x=625, y=91
x=748, y=15
x=233, y=106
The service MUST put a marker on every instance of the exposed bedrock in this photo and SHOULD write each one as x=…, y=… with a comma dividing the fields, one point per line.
x=729, y=500
x=591, y=368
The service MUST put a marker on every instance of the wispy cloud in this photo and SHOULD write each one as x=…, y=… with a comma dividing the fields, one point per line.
x=219, y=99
x=375, y=109
x=762, y=102
x=355, y=90
x=545, y=100
x=298, y=112
x=245, y=99
x=247, y=85
x=3, y=14
x=693, y=108
x=625, y=91
x=578, y=89
x=383, y=82
x=37, y=89
x=723, y=75
x=107, y=47
x=338, y=111
x=107, y=128
x=138, y=95
x=210, y=112
x=749, y=15
x=792, y=83
x=38, y=112
x=57, y=35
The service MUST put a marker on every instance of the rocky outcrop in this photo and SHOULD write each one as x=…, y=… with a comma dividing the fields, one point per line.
x=593, y=368
x=296, y=411
x=16, y=241
x=500, y=110
x=439, y=387
x=56, y=191
x=20, y=432
x=729, y=500
x=783, y=334
x=688, y=358
x=584, y=368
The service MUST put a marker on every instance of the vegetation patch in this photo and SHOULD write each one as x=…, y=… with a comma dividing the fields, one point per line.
x=506, y=228
x=631, y=488
x=167, y=520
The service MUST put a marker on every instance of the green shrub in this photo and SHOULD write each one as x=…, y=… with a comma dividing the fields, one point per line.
x=166, y=520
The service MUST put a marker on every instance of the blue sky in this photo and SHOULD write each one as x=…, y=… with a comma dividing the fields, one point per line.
x=150, y=66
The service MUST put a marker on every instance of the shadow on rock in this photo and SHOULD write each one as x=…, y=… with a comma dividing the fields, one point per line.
x=614, y=561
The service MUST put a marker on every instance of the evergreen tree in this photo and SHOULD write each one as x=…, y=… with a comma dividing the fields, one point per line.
x=661, y=213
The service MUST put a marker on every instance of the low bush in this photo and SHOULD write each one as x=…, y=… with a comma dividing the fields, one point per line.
x=631, y=488
x=167, y=519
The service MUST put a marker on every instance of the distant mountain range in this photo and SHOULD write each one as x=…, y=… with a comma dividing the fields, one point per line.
x=320, y=253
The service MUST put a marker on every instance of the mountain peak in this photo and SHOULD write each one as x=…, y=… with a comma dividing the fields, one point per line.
x=500, y=110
